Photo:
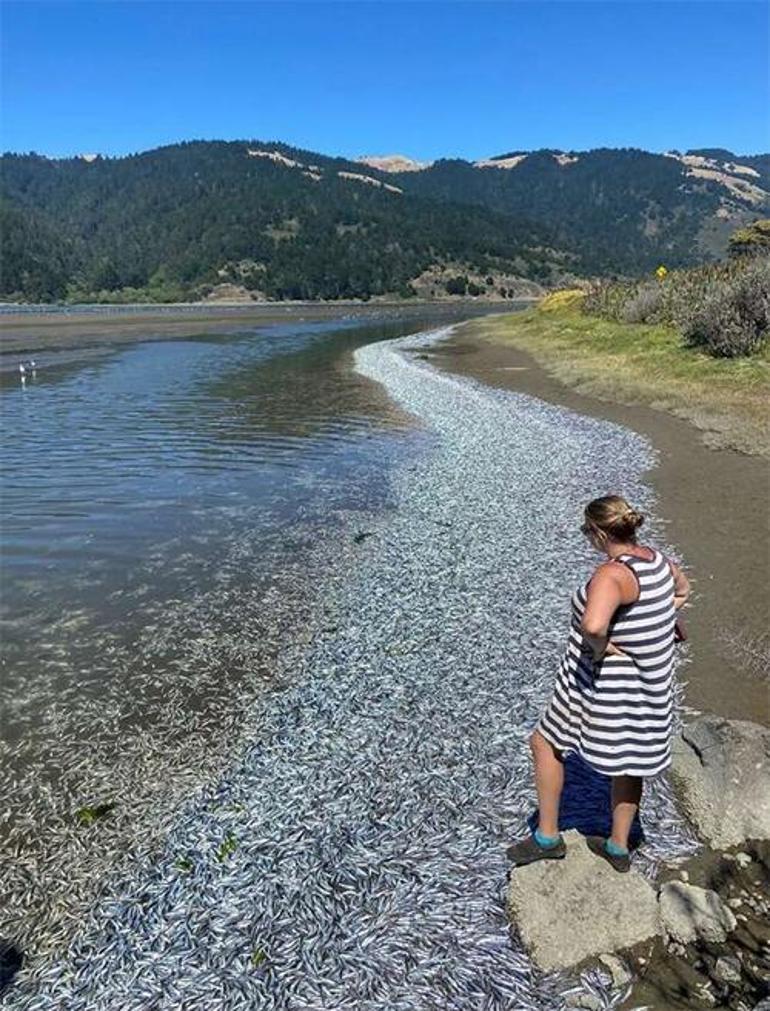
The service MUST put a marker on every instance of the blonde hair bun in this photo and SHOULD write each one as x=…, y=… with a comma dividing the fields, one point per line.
x=634, y=518
x=614, y=517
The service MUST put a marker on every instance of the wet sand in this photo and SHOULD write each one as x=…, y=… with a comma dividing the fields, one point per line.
x=25, y=332
x=29, y=332
x=715, y=507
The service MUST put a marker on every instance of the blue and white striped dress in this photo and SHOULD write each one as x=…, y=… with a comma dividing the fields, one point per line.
x=617, y=713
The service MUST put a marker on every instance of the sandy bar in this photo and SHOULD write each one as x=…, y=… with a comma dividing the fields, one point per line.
x=30, y=332
x=47, y=331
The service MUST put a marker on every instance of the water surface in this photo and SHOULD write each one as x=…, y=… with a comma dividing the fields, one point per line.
x=166, y=508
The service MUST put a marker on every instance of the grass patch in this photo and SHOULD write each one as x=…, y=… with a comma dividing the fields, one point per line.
x=645, y=364
x=89, y=815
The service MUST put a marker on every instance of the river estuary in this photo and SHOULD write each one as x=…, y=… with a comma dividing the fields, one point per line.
x=280, y=606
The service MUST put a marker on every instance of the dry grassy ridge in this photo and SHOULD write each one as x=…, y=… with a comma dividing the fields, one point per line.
x=645, y=364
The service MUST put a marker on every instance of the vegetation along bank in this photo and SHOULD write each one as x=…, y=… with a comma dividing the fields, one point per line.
x=692, y=342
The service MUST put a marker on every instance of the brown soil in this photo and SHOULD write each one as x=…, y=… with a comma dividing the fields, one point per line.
x=715, y=506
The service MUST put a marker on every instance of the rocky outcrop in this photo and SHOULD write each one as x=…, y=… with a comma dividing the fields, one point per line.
x=697, y=939
x=714, y=918
x=568, y=910
x=721, y=776
x=690, y=913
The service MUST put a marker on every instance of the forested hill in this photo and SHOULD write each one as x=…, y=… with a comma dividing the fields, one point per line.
x=621, y=211
x=284, y=223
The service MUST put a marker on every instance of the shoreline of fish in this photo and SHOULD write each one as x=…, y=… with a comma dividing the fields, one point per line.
x=352, y=855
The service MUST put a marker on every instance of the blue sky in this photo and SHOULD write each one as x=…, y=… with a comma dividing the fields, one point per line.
x=427, y=79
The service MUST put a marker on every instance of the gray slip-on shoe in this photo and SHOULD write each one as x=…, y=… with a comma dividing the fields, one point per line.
x=529, y=850
x=621, y=863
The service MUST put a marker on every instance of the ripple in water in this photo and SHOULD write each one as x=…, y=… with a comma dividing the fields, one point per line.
x=165, y=506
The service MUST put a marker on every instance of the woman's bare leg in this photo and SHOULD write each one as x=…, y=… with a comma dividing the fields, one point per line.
x=549, y=780
x=626, y=794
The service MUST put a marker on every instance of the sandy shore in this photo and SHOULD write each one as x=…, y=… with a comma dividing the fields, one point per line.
x=34, y=332
x=47, y=331
x=715, y=504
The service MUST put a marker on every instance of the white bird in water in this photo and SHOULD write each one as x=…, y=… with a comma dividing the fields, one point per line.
x=31, y=364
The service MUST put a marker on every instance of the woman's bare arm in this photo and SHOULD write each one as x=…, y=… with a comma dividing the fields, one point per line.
x=681, y=585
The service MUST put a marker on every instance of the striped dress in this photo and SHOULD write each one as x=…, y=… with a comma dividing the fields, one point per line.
x=617, y=713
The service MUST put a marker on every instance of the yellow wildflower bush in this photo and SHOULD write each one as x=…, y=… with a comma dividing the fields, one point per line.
x=567, y=298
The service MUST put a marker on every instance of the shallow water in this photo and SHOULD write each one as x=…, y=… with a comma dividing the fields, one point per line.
x=111, y=449
x=120, y=457
x=163, y=504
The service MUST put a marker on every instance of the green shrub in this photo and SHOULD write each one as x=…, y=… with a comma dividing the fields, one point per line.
x=734, y=318
x=606, y=299
x=457, y=285
x=643, y=306
x=752, y=240
x=720, y=307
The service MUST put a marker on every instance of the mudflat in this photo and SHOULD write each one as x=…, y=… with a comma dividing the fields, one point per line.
x=25, y=332
x=714, y=503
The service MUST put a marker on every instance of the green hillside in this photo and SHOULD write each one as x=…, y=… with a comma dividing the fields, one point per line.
x=281, y=223
x=619, y=211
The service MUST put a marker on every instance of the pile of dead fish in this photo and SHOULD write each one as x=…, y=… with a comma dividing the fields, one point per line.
x=353, y=855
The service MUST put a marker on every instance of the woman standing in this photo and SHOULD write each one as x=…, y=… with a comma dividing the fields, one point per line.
x=613, y=698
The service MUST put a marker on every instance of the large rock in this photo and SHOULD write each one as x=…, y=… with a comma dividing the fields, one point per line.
x=691, y=914
x=568, y=910
x=721, y=776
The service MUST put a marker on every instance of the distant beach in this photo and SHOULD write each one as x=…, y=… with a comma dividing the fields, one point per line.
x=28, y=329
x=43, y=329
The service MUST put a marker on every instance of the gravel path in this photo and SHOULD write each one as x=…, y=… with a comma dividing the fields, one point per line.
x=353, y=856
